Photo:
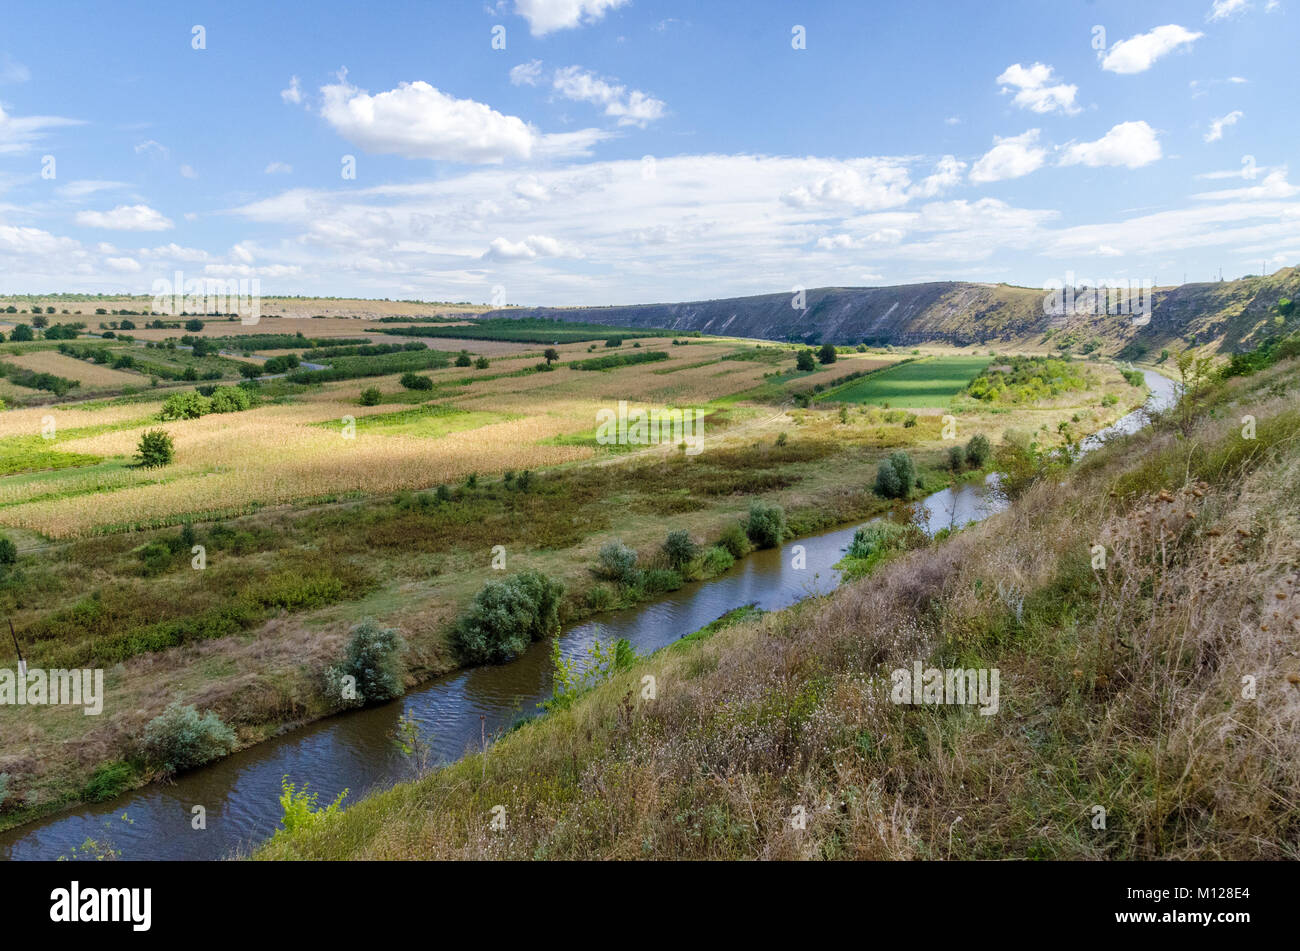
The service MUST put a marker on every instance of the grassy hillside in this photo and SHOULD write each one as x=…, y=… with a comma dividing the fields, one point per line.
x=1229, y=315
x=1161, y=687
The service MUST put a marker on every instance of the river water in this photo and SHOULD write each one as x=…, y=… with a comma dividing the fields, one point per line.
x=353, y=750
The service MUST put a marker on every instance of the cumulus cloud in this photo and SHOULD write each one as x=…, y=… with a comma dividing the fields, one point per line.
x=124, y=218
x=1131, y=144
x=130, y=265
x=865, y=184
x=629, y=107
x=1010, y=157
x=1139, y=53
x=533, y=246
x=547, y=16
x=415, y=120
x=1222, y=9
x=947, y=174
x=1036, y=91
x=1218, y=125
x=292, y=95
x=526, y=74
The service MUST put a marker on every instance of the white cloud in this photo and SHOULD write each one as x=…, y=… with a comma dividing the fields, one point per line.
x=1217, y=126
x=245, y=270
x=1139, y=53
x=947, y=174
x=547, y=16
x=533, y=246
x=864, y=184
x=187, y=171
x=1222, y=9
x=174, y=252
x=130, y=265
x=124, y=218
x=630, y=108
x=416, y=120
x=278, y=168
x=150, y=147
x=1035, y=91
x=292, y=95
x=526, y=74
x=1010, y=157
x=18, y=133
x=1274, y=185
x=12, y=71
x=87, y=186
x=1131, y=144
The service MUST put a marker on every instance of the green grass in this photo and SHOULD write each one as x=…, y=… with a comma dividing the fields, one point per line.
x=931, y=382
x=430, y=421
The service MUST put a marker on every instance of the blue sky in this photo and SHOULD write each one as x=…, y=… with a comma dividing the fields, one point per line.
x=617, y=151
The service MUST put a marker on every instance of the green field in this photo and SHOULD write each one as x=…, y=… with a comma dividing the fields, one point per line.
x=929, y=382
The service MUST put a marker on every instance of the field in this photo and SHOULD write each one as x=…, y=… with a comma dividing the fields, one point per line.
x=89, y=375
x=926, y=382
x=318, y=508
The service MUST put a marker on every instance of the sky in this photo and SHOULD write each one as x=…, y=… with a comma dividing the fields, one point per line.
x=553, y=152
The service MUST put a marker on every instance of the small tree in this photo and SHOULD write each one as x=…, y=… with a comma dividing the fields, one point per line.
x=765, y=526
x=617, y=562
x=8, y=551
x=805, y=361
x=463, y=359
x=374, y=660
x=978, y=451
x=156, y=449
x=680, y=549
x=551, y=355
x=827, y=354
x=413, y=381
x=895, y=476
x=194, y=326
x=22, y=332
x=40, y=321
x=481, y=363
x=179, y=738
x=371, y=396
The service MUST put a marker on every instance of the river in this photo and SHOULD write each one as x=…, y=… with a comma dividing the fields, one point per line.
x=353, y=750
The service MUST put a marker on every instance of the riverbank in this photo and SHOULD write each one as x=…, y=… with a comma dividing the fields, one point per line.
x=1122, y=729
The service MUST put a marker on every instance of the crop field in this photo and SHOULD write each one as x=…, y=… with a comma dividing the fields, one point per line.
x=927, y=382
x=90, y=375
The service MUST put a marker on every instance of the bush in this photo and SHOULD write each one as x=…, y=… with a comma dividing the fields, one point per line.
x=617, y=562
x=156, y=557
x=765, y=526
x=189, y=405
x=826, y=354
x=463, y=359
x=155, y=449
x=413, y=381
x=194, y=326
x=230, y=399
x=108, y=781
x=887, y=485
x=481, y=363
x=680, y=549
x=978, y=451
x=8, y=550
x=374, y=659
x=180, y=739
x=805, y=361
x=735, y=541
x=281, y=364
x=505, y=616
x=895, y=476
x=656, y=580
x=716, y=560
x=371, y=396
x=956, y=458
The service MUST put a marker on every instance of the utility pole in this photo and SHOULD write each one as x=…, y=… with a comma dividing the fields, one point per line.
x=22, y=664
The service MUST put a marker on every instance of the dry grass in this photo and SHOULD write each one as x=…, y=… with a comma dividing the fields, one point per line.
x=88, y=374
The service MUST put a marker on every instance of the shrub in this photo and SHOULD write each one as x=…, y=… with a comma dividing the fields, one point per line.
x=600, y=598
x=281, y=364
x=413, y=381
x=481, y=363
x=978, y=451
x=614, y=342
x=374, y=659
x=463, y=359
x=655, y=580
x=194, y=326
x=887, y=485
x=179, y=738
x=505, y=616
x=805, y=361
x=155, y=449
x=189, y=405
x=716, y=560
x=735, y=541
x=617, y=562
x=827, y=354
x=371, y=396
x=230, y=399
x=765, y=526
x=895, y=476
x=782, y=439
x=107, y=781
x=8, y=550
x=298, y=808
x=956, y=458
x=680, y=549
x=156, y=557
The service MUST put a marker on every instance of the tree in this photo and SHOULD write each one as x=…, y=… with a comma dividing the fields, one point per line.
x=551, y=355
x=505, y=616
x=371, y=396
x=463, y=359
x=895, y=476
x=250, y=371
x=156, y=449
x=827, y=354
x=8, y=551
x=805, y=361
x=127, y=325
x=181, y=739
x=413, y=381
x=765, y=526
x=40, y=321
x=374, y=660
x=978, y=451
x=22, y=332
x=194, y=326
x=680, y=549
x=481, y=363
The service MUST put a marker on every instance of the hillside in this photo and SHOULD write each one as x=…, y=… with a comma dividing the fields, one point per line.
x=1228, y=315
x=1148, y=706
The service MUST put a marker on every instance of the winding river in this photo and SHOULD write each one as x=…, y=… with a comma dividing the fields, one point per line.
x=353, y=750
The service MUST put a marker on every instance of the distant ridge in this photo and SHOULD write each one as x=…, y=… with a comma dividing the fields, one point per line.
x=1226, y=314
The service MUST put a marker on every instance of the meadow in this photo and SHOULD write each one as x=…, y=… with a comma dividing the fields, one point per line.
x=324, y=503
x=926, y=382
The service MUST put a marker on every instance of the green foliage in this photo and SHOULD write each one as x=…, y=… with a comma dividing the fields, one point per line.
x=155, y=449
x=765, y=526
x=481, y=363
x=619, y=360
x=371, y=396
x=505, y=616
x=8, y=551
x=413, y=381
x=895, y=476
x=190, y=405
x=805, y=361
x=463, y=359
x=571, y=679
x=108, y=781
x=827, y=355
x=617, y=562
x=299, y=808
x=156, y=557
x=1029, y=380
x=715, y=561
x=978, y=451
x=735, y=541
x=281, y=364
x=680, y=549
x=524, y=330
x=180, y=738
x=352, y=368
x=374, y=660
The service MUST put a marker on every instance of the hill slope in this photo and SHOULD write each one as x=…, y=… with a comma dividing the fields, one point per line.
x=1228, y=315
